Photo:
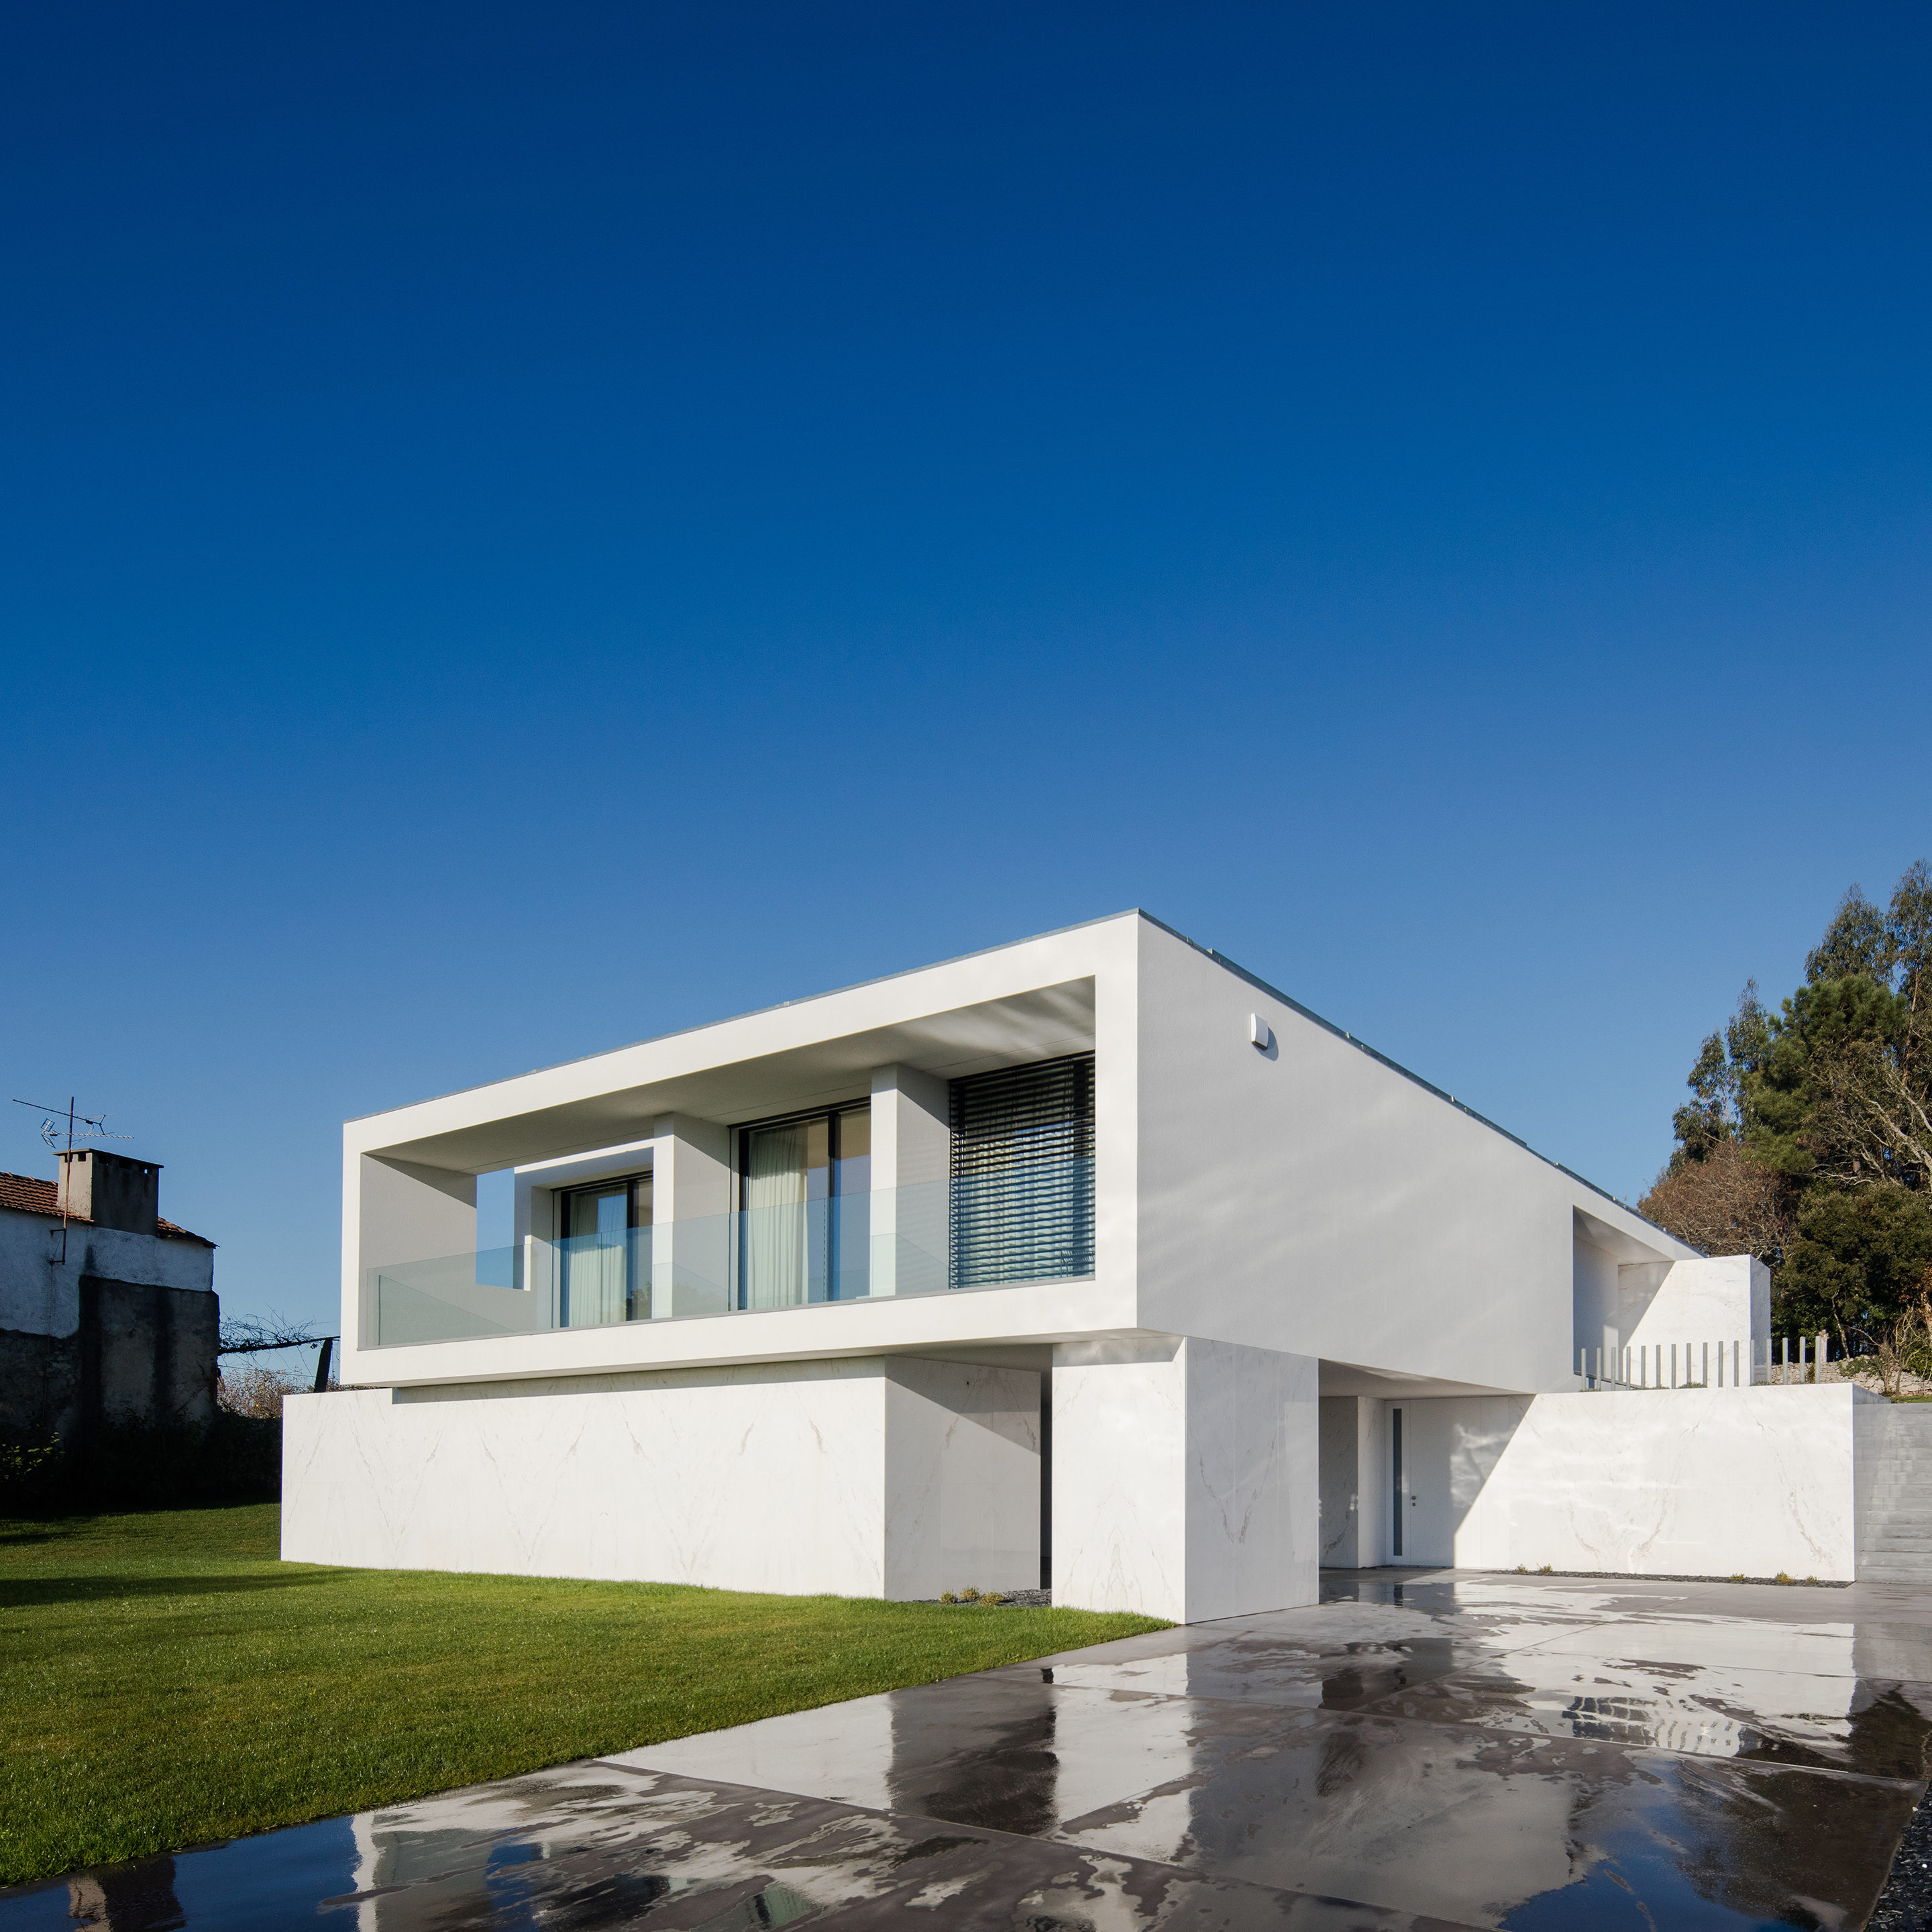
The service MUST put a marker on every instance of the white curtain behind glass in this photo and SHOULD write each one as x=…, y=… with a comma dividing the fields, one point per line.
x=775, y=1218
x=594, y=1259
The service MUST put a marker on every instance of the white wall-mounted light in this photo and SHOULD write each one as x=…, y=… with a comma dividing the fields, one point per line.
x=1258, y=1036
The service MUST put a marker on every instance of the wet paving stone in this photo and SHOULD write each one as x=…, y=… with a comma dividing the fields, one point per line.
x=1278, y=1670
x=1878, y=1729
x=1450, y=1751
x=597, y=1845
x=1481, y=1827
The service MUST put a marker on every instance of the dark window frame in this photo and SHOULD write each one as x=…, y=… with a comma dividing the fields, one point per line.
x=563, y=1196
x=636, y=1181
x=741, y=1164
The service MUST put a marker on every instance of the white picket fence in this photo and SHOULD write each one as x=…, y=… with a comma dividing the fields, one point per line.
x=1734, y=1363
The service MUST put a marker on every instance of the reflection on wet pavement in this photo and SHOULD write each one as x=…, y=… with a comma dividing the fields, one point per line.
x=1469, y=1750
x=599, y=1845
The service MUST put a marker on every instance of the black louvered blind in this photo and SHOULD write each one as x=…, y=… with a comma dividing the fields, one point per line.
x=1023, y=1173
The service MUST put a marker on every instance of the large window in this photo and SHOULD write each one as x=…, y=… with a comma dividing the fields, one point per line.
x=605, y=1253
x=1022, y=1206
x=804, y=1200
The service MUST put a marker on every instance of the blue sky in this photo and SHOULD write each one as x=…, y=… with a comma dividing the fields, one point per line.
x=525, y=529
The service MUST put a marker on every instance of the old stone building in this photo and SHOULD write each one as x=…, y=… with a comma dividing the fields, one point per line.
x=107, y=1312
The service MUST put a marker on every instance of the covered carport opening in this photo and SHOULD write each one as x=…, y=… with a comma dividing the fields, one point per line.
x=1385, y=1467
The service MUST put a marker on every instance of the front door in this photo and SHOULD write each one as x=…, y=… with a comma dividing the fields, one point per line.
x=1422, y=1531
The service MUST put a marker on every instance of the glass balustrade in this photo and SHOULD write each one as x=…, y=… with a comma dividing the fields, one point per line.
x=891, y=1241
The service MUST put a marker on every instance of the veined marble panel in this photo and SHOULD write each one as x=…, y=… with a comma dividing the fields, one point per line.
x=771, y=1477
x=1185, y=1477
x=962, y=1477
x=1687, y=1303
x=1711, y=1482
x=1119, y=1446
x=1253, y=1498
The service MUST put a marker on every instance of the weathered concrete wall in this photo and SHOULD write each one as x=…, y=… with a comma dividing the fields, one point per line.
x=146, y=1351
x=40, y=1383
x=138, y=1342
x=39, y=1291
x=138, y=1351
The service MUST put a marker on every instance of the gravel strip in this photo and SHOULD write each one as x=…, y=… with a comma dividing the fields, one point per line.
x=1631, y=1577
x=1905, y=1903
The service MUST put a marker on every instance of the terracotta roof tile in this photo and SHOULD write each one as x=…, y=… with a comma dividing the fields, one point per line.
x=30, y=1196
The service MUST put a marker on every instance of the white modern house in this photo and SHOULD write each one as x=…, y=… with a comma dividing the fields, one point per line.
x=1089, y=1261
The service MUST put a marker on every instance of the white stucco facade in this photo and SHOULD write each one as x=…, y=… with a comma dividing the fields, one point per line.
x=1288, y=1238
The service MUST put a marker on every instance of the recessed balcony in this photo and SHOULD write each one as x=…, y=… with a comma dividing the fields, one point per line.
x=1002, y=1227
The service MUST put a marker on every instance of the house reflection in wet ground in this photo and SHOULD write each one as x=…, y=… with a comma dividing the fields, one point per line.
x=1450, y=1749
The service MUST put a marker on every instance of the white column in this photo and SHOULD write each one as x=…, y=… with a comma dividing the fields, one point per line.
x=691, y=1203
x=1186, y=1478
x=1595, y=1279
x=1353, y=1509
x=912, y=1151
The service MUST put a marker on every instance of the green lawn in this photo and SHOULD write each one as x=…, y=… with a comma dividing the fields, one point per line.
x=164, y=1680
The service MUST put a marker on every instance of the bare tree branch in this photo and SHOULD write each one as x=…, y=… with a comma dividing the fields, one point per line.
x=1906, y=1142
x=1726, y=1204
x=244, y=1335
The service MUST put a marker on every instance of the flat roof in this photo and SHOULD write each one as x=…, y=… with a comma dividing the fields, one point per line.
x=1131, y=912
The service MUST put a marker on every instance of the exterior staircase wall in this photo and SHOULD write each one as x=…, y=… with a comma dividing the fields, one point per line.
x=1893, y=1449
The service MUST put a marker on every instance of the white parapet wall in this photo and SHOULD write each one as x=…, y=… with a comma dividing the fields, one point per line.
x=897, y=1477
x=1663, y=1482
x=1689, y=1303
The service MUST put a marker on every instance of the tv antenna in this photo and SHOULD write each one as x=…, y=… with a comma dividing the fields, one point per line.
x=64, y=1139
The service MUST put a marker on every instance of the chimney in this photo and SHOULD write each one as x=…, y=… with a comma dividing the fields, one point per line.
x=109, y=1189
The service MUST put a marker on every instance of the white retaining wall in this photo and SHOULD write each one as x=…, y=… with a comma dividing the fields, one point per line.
x=899, y=1478
x=1670, y=1482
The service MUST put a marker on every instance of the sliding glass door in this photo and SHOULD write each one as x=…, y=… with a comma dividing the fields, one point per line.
x=605, y=1253
x=804, y=1220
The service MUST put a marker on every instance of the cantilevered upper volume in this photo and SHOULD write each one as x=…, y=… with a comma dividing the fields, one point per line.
x=1221, y=959
x=1179, y=1108
x=1102, y=1178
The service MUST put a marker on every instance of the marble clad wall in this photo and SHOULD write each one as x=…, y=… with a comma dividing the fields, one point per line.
x=1694, y=1302
x=1119, y=1443
x=1664, y=1482
x=962, y=1478
x=1186, y=1476
x=838, y=1476
x=1254, y=1479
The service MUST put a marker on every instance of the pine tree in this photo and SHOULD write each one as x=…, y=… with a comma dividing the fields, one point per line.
x=1807, y=1139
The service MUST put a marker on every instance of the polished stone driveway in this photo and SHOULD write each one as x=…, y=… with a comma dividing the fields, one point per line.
x=1449, y=1749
